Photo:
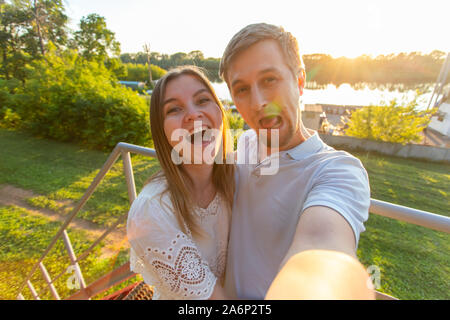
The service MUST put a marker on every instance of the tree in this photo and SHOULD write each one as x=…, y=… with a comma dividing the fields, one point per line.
x=389, y=123
x=26, y=28
x=94, y=41
x=48, y=23
x=13, y=27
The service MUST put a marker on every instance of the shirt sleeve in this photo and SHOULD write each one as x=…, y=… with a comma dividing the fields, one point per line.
x=343, y=185
x=166, y=257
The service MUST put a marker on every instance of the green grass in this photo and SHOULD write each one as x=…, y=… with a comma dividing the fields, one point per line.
x=24, y=239
x=414, y=261
x=60, y=171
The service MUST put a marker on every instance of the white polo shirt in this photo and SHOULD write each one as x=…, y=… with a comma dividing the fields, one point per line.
x=267, y=208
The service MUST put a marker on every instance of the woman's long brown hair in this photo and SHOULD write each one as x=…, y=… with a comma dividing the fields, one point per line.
x=178, y=181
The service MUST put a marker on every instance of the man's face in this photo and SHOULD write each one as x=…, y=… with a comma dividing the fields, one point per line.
x=265, y=91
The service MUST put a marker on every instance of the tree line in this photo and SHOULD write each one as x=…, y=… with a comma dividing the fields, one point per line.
x=408, y=69
x=167, y=62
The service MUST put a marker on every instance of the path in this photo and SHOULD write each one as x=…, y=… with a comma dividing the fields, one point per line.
x=10, y=195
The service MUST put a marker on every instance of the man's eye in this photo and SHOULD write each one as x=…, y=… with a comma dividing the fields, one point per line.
x=241, y=90
x=270, y=80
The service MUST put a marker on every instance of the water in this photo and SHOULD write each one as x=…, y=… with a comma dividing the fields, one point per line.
x=346, y=95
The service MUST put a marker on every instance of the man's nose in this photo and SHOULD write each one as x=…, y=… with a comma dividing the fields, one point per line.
x=259, y=100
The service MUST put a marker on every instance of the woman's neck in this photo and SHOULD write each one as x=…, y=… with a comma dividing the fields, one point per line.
x=201, y=176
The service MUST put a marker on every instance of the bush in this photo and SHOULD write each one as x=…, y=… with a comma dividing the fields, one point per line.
x=390, y=123
x=139, y=72
x=71, y=99
x=8, y=115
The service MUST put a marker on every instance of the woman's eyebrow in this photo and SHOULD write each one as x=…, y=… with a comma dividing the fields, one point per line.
x=168, y=101
x=201, y=91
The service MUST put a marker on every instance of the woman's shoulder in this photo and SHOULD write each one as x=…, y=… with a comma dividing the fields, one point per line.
x=154, y=188
x=152, y=201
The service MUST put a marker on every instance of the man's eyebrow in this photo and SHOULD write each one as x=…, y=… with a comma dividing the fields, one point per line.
x=267, y=70
x=235, y=82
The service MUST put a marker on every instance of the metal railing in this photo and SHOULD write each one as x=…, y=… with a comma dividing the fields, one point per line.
x=123, y=273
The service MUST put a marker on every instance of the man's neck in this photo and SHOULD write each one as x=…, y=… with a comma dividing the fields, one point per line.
x=299, y=137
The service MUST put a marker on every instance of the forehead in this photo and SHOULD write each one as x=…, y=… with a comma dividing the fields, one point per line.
x=183, y=85
x=263, y=55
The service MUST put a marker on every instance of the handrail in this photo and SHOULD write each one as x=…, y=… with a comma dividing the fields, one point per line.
x=122, y=273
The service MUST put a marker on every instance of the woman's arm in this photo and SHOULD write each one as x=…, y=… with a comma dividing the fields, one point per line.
x=219, y=293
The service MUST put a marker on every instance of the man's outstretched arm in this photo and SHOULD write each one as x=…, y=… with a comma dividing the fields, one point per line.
x=321, y=256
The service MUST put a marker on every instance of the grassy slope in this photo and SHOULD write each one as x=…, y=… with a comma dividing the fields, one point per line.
x=414, y=261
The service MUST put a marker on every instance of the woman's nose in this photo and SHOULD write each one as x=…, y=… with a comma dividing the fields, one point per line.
x=192, y=113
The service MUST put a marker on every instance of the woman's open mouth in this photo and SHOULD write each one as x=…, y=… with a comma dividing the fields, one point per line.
x=200, y=137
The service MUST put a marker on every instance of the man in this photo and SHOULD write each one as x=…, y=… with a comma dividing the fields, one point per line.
x=319, y=197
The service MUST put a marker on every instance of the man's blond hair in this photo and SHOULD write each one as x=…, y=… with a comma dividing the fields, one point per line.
x=254, y=33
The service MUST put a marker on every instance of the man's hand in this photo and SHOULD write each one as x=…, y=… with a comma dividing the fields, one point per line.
x=321, y=274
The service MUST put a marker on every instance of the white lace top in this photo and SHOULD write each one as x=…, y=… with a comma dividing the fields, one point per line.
x=178, y=265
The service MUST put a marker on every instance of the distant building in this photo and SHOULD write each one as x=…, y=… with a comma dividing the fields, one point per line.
x=311, y=116
x=135, y=85
x=441, y=121
x=314, y=115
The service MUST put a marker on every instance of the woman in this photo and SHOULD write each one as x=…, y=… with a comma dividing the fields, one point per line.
x=178, y=225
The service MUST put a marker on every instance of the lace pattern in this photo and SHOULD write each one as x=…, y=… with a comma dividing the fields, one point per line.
x=177, y=265
x=217, y=266
x=211, y=210
x=180, y=270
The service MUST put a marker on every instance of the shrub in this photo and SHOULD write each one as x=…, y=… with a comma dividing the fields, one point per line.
x=139, y=72
x=390, y=123
x=8, y=115
x=71, y=99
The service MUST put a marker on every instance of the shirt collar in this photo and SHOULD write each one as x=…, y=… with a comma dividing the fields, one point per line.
x=310, y=146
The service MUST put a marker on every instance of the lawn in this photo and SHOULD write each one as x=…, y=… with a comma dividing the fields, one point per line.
x=413, y=261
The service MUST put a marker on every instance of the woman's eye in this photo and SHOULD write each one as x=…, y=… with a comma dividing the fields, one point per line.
x=203, y=100
x=172, y=110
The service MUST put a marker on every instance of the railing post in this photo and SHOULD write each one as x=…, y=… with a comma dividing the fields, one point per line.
x=33, y=291
x=73, y=260
x=98, y=178
x=129, y=176
x=49, y=281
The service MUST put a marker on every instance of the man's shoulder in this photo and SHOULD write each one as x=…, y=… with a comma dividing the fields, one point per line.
x=328, y=156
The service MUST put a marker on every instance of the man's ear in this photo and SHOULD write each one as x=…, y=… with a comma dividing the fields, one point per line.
x=301, y=80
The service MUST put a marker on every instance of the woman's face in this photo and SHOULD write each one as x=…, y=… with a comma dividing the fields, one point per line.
x=192, y=120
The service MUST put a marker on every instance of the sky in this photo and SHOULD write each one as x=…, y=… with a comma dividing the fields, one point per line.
x=341, y=27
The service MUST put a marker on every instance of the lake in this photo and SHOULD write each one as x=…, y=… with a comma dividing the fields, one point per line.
x=364, y=95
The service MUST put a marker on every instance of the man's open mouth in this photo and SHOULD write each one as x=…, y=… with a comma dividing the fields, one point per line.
x=270, y=122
